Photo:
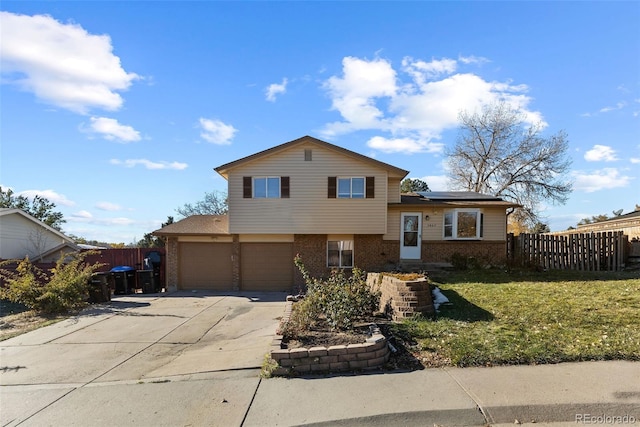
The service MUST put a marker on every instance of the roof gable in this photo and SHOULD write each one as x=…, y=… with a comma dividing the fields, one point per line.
x=393, y=171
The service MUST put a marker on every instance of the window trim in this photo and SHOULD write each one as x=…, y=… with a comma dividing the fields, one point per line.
x=369, y=187
x=340, y=250
x=248, y=187
x=266, y=187
x=454, y=223
x=362, y=195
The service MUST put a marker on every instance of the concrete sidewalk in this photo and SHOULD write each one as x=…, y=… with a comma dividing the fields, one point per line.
x=567, y=392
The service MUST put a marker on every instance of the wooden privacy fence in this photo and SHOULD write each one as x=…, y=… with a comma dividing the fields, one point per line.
x=575, y=251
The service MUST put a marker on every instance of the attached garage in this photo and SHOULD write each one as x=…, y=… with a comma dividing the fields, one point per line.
x=202, y=254
x=266, y=266
x=205, y=266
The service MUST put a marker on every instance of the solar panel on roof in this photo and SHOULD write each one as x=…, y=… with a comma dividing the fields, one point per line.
x=456, y=195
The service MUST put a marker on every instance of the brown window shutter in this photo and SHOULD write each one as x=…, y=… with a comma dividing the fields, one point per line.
x=247, y=190
x=371, y=187
x=331, y=191
x=284, y=187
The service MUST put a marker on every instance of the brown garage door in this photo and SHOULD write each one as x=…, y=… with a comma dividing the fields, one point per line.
x=205, y=266
x=266, y=266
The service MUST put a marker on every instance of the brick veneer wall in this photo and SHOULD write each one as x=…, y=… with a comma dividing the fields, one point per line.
x=402, y=299
x=312, y=248
x=171, y=271
x=491, y=252
x=371, y=253
x=374, y=254
x=372, y=354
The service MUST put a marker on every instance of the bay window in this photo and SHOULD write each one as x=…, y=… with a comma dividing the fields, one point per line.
x=463, y=224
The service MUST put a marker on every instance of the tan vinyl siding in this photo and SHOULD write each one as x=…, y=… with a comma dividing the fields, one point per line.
x=393, y=193
x=433, y=228
x=308, y=210
x=268, y=238
x=495, y=224
x=206, y=239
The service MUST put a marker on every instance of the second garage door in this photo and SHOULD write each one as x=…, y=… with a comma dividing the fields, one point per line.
x=205, y=266
x=266, y=266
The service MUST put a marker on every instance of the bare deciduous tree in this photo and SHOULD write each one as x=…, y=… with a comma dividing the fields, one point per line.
x=214, y=203
x=499, y=153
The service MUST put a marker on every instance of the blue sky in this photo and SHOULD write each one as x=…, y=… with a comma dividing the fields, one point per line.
x=119, y=111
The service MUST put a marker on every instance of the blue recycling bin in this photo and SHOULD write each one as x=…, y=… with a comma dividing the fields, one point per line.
x=124, y=278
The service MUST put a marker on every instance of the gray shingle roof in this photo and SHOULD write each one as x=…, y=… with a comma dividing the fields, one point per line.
x=197, y=225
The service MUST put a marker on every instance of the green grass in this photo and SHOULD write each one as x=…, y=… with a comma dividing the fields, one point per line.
x=528, y=318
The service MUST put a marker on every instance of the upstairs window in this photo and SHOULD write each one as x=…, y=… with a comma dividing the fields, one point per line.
x=265, y=187
x=463, y=224
x=351, y=188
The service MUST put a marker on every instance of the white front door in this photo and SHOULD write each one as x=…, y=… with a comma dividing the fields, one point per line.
x=410, y=235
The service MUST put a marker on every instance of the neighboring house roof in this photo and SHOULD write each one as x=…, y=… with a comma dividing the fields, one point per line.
x=196, y=225
x=91, y=247
x=454, y=198
x=619, y=218
x=394, y=171
x=12, y=211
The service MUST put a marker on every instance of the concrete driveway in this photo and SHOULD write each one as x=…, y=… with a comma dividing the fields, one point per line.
x=142, y=360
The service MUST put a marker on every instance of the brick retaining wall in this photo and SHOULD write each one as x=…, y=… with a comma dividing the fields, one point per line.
x=372, y=354
x=402, y=299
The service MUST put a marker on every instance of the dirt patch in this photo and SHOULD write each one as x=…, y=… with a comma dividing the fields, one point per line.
x=321, y=335
x=404, y=355
x=13, y=325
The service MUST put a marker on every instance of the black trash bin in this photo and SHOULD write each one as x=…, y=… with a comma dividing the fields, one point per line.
x=146, y=281
x=124, y=279
x=100, y=287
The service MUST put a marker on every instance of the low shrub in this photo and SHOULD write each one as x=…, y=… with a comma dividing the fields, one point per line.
x=341, y=299
x=62, y=290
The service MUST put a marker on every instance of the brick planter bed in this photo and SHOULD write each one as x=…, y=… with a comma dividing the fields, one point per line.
x=372, y=354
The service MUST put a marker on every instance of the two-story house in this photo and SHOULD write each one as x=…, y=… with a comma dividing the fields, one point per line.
x=336, y=209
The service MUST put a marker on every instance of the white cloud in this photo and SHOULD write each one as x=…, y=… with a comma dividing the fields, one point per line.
x=635, y=160
x=111, y=130
x=618, y=106
x=129, y=163
x=600, y=153
x=82, y=215
x=404, y=145
x=421, y=70
x=473, y=59
x=107, y=206
x=603, y=179
x=275, y=89
x=50, y=195
x=354, y=94
x=61, y=64
x=216, y=132
x=437, y=182
x=419, y=102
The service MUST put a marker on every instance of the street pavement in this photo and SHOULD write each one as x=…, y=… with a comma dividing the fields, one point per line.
x=194, y=358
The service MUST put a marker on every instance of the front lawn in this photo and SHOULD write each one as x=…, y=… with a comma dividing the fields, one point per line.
x=527, y=318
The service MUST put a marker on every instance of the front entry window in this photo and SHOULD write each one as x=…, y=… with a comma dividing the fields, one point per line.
x=410, y=228
x=340, y=253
